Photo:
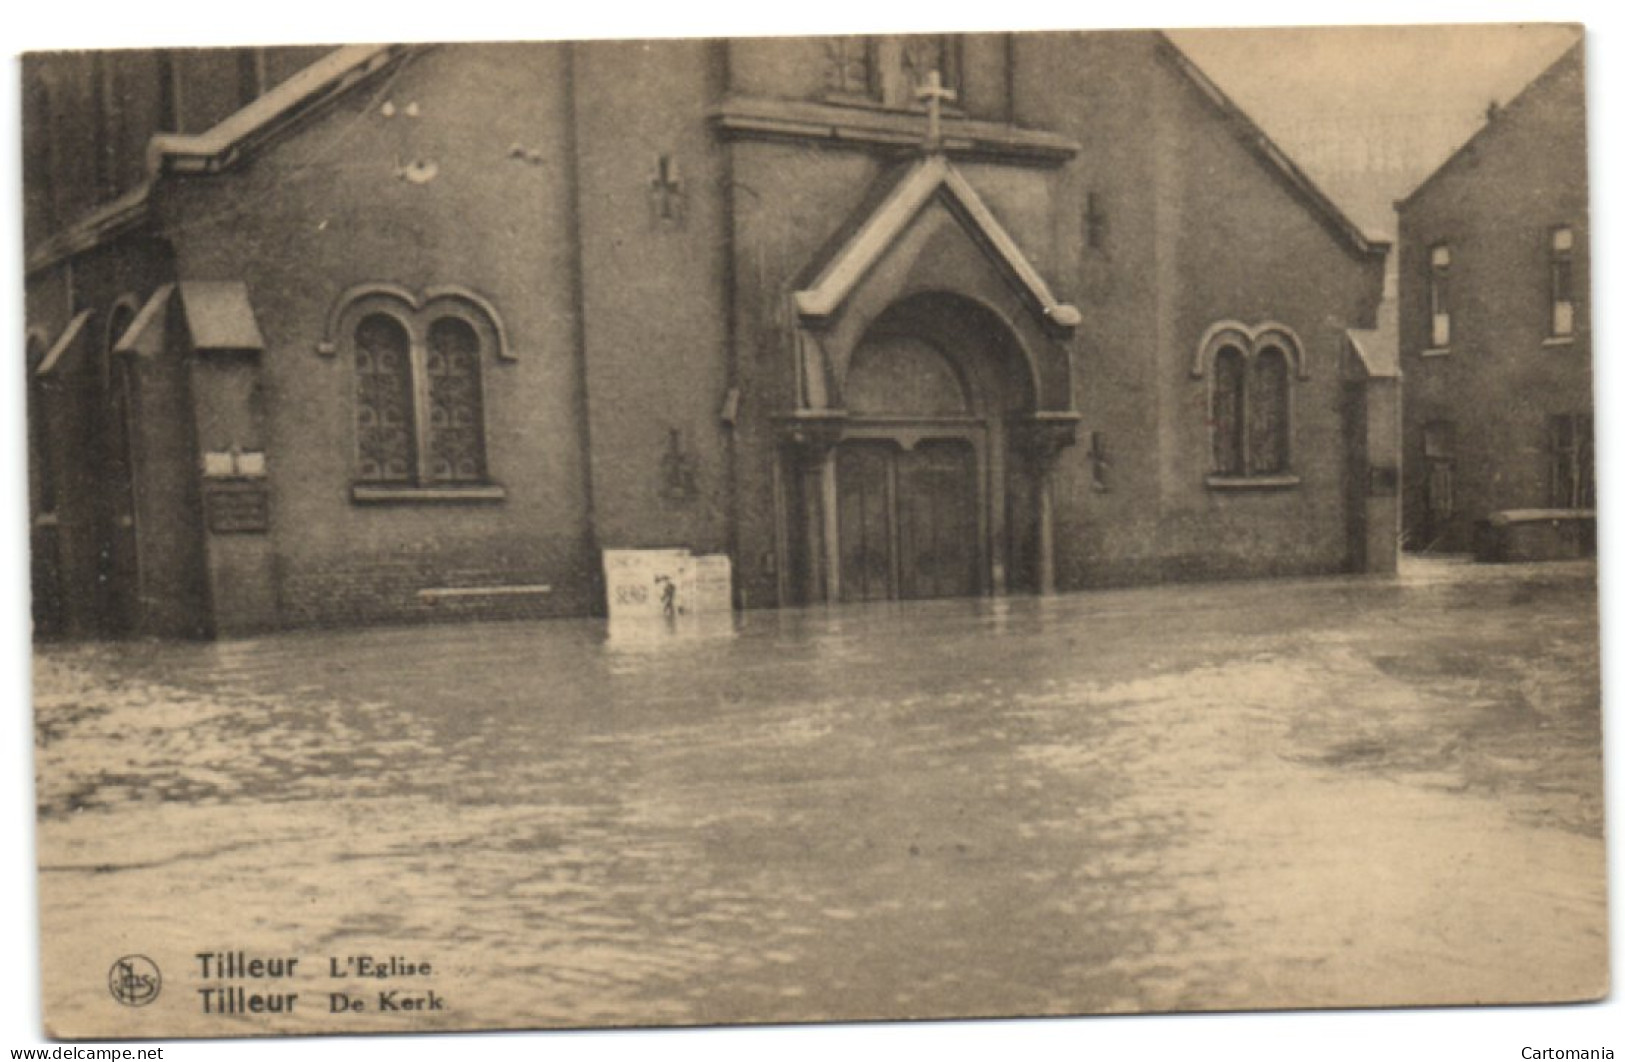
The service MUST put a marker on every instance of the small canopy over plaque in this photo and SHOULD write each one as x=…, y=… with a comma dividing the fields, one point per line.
x=216, y=313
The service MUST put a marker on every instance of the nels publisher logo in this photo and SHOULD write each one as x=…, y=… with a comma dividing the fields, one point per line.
x=134, y=980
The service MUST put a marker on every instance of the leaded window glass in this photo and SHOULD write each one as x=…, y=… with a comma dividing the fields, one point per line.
x=419, y=411
x=384, y=406
x=1268, y=410
x=456, y=446
x=1229, y=412
x=846, y=67
x=922, y=54
x=889, y=69
x=1250, y=404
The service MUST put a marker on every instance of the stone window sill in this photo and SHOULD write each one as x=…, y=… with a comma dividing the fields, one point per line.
x=1436, y=352
x=383, y=494
x=1282, y=482
x=1557, y=341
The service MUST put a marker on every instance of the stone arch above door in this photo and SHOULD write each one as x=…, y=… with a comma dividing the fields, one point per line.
x=903, y=374
x=978, y=361
x=931, y=234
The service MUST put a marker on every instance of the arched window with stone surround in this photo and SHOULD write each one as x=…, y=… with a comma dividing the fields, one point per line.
x=419, y=363
x=384, y=417
x=1250, y=373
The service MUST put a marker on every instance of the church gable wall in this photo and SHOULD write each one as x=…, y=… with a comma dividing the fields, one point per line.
x=88, y=115
x=1249, y=250
x=1172, y=226
x=450, y=169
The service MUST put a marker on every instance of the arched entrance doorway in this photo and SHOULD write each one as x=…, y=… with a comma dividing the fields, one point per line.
x=933, y=394
x=913, y=492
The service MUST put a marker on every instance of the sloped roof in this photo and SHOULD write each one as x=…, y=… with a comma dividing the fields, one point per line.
x=219, y=147
x=1570, y=58
x=1378, y=348
x=1267, y=151
x=218, y=316
x=925, y=180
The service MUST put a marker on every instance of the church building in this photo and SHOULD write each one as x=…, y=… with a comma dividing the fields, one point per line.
x=395, y=333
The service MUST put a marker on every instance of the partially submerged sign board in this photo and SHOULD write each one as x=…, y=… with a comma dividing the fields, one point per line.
x=644, y=584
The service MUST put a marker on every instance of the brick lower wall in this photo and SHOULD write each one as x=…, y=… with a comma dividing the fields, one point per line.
x=388, y=591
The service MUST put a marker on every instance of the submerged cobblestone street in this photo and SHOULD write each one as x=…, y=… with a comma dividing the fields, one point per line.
x=1324, y=792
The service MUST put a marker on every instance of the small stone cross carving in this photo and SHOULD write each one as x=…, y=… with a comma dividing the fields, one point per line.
x=666, y=191
x=1094, y=220
x=680, y=477
x=932, y=93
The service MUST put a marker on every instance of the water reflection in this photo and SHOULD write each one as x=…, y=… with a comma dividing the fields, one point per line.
x=668, y=635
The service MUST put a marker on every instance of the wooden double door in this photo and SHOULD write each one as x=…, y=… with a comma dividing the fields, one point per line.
x=908, y=522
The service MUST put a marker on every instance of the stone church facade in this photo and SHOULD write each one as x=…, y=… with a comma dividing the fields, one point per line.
x=392, y=333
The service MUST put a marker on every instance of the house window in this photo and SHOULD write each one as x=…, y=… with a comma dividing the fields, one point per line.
x=1439, y=471
x=889, y=70
x=1561, y=291
x=1572, y=476
x=1439, y=297
x=1251, y=404
x=419, y=398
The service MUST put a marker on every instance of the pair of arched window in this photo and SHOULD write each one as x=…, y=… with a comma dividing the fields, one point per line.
x=419, y=394
x=1250, y=400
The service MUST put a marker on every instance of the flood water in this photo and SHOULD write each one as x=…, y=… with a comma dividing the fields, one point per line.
x=1322, y=792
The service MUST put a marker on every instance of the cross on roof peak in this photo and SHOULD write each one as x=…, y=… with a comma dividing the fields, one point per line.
x=932, y=92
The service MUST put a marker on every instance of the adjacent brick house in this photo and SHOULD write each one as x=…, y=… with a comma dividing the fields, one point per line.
x=409, y=332
x=1495, y=325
